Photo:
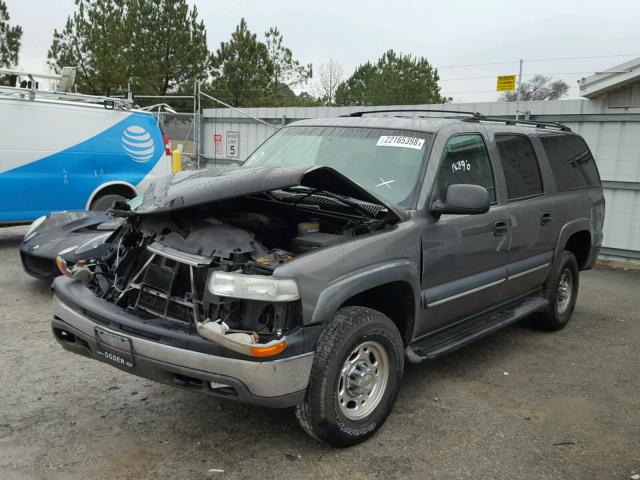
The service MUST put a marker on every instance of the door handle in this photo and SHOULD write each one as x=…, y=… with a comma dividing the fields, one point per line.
x=545, y=219
x=500, y=228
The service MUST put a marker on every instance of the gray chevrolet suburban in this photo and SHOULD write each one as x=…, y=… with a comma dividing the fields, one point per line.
x=341, y=249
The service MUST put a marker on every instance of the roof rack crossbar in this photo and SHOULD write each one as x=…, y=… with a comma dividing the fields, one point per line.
x=360, y=113
x=513, y=121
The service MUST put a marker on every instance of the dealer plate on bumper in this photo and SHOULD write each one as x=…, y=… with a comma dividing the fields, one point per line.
x=114, y=348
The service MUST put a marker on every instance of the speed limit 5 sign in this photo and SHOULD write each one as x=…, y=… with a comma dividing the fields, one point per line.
x=233, y=144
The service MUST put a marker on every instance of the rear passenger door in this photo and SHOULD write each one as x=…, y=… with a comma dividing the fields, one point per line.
x=530, y=209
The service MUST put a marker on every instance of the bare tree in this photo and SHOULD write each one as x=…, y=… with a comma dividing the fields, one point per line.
x=539, y=88
x=331, y=75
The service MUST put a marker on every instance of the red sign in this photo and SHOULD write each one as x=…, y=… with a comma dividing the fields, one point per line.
x=217, y=139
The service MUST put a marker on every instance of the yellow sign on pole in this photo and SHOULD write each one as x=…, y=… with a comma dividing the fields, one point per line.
x=506, y=83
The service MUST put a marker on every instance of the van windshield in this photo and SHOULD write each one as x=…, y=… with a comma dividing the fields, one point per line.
x=383, y=161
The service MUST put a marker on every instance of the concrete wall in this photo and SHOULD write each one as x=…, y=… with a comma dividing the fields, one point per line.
x=613, y=134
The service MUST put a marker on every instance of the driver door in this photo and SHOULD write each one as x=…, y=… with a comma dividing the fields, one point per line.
x=464, y=256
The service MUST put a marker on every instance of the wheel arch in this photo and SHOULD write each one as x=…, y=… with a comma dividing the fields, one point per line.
x=576, y=237
x=391, y=289
x=579, y=243
x=117, y=187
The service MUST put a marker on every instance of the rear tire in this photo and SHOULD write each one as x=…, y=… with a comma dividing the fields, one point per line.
x=355, y=377
x=561, y=290
x=105, y=202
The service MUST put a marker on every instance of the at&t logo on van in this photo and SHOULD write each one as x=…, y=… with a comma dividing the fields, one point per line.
x=138, y=143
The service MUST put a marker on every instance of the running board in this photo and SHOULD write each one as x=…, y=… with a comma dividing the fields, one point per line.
x=462, y=333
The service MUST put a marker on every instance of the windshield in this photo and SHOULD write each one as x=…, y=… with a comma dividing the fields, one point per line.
x=382, y=161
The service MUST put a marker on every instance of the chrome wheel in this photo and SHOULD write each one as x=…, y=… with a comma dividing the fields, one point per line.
x=363, y=380
x=565, y=291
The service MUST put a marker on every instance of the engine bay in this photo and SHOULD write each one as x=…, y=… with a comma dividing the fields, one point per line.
x=160, y=266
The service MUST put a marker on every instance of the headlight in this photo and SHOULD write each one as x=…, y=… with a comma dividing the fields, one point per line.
x=35, y=224
x=93, y=243
x=253, y=287
x=67, y=250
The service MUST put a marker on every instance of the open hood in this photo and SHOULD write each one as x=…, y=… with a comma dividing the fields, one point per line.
x=190, y=189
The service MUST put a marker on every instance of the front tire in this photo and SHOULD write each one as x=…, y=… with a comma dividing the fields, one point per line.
x=105, y=202
x=355, y=377
x=561, y=290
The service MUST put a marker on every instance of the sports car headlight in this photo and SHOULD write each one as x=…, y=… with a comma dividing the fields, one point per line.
x=253, y=287
x=95, y=242
x=35, y=224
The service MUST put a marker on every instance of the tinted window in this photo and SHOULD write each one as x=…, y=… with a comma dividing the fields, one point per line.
x=571, y=162
x=520, y=166
x=465, y=160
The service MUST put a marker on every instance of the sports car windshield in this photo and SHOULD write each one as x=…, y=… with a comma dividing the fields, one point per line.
x=384, y=162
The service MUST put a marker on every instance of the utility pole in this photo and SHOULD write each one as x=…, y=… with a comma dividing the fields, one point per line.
x=518, y=92
x=197, y=119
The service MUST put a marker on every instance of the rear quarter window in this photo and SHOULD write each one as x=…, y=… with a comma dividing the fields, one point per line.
x=520, y=166
x=571, y=162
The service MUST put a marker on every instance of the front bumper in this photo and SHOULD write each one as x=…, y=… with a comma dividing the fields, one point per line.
x=276, y=383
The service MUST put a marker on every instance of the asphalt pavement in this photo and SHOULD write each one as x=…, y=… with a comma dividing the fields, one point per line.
x=521, y=404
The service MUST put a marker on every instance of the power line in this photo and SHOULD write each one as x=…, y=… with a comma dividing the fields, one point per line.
x=524, y=75
x=476, y=91
x=538, y=60
x=480, y=76
x=478, y=64
x=582, y=58
x=249, y=90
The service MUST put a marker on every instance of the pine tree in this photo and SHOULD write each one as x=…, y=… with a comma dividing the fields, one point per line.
x=10, y=38
x=96, y=40
x=393, y=80
x=169, y=44
x=286, y=71
x=156, y=45
x=249, y=72
x=242, y=69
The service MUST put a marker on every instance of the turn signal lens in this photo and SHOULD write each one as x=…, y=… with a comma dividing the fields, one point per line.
x=257, y=351
x=62, y=266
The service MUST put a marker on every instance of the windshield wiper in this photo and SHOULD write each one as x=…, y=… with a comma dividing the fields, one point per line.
x=343, y=199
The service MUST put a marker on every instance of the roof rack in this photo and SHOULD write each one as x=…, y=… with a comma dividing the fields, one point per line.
x=65, y=82
x=513, y=121
x=108, y=102
x=360, y=113
x=471, y=117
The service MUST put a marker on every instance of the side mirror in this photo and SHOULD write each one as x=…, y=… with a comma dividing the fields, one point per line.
x=462, y=199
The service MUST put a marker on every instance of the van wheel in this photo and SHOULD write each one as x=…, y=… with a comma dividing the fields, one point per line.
x=355, y=377
x=105, y=202
x=561, y=290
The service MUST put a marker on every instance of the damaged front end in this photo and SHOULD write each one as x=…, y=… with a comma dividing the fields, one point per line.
x=198, y=260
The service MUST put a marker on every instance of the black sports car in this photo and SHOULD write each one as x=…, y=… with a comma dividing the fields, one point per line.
x=76, y=235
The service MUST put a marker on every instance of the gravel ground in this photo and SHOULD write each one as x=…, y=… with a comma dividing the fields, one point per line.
x=522, y=404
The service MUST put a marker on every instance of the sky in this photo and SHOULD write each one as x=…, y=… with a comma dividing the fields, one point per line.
x=450, y=34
